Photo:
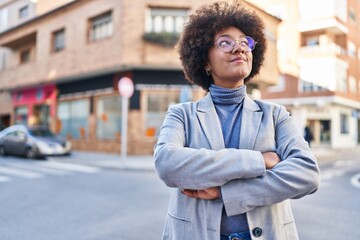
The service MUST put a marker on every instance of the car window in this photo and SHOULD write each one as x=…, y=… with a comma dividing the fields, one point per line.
x=20, y=135
x=41, y=132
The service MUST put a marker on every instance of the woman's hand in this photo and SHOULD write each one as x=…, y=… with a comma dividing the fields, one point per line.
x=207, y=194
x=270, y=159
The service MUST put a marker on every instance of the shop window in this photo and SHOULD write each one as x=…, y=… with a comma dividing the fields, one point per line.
x=344, y=124
x=21, y=115
x=58, y=39
x=108, y=117
x=157, y=106
x=74, y=118
x=101, y=27
x=23, y=12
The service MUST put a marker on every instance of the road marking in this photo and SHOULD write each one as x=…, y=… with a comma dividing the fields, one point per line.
x=346, y=163
x=37, y=169
x=68, y=166
x=355, y=180
x=331, y=173
x=19, y=173
x=4, y=179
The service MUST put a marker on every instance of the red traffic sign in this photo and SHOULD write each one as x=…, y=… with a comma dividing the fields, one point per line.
x=126, y=87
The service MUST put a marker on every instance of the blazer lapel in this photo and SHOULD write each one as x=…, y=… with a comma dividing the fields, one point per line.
x=210, y=123
x=250, y=124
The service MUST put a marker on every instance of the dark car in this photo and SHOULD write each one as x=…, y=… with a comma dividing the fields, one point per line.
x=34, y=142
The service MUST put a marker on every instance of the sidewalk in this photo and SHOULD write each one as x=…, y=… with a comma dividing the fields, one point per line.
x=146, y=162
x=109, y=160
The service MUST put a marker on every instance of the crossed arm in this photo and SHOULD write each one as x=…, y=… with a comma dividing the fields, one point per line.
x=270, y=160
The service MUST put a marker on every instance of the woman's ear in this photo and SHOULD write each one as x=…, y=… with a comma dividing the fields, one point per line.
x=207, y=67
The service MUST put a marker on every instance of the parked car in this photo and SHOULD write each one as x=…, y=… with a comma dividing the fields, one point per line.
x=32, y=142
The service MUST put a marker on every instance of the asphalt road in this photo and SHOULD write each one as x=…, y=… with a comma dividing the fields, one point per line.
x=43, y=201
x=51, y=200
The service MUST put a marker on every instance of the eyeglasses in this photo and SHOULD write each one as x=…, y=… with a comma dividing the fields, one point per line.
x=227, y=44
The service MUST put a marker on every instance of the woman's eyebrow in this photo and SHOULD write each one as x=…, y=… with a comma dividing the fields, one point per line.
x=227, y=35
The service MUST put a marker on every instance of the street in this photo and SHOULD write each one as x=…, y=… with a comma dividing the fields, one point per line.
x=55, y=199
x=42, y=200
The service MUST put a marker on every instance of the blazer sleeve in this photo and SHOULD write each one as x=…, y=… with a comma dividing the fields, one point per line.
x=294, y=177
x=191, y=168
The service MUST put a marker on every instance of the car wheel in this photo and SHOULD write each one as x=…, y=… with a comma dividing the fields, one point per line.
x=31, y=153
x=2, y=151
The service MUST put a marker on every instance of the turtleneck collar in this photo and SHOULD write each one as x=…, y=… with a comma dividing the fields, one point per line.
x=227, y=96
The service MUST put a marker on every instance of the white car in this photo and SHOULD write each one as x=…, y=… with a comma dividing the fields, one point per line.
x=34, y=142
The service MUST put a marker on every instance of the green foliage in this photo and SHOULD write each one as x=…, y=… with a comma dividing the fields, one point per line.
x=166, y=39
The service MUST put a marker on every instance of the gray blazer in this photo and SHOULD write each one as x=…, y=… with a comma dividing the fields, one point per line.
x=190, y=153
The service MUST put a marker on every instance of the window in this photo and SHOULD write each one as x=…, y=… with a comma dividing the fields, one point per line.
x=312, y=41
x=311, y=87
x=101, y=27
x=108, y=117
x=21, y=115
x=351, y=49
x=166, y=20
x=352, y=15
x=157, y=105
x=23, y=12
x=3, y=19
x=344, y=123
x=352, y=84
x=341, y=81
x=74, y=118
x=25, y=56
x=58, y=40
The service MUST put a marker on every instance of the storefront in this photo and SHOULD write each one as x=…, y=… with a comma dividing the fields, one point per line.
x=89, y=110
x=35, y=106
x=332, y=125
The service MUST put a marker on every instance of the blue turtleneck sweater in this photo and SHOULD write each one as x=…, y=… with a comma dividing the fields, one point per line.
x=228, y=104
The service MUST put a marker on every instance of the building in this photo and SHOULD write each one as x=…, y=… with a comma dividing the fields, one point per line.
x=13, y=13
x=65, y=74
x=319, y=59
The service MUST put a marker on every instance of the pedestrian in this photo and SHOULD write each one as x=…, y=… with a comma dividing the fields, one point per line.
x=232, y=163
x=308, y=135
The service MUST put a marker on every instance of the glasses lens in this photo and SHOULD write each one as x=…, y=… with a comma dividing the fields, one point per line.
x=225, y=43
x=250, y=43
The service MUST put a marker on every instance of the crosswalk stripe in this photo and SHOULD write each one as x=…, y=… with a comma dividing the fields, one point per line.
x=68, y=166
x=4, y=179
x=19, y=173
x=38, y=169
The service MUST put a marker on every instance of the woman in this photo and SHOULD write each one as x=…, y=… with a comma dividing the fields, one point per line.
x=232, y=163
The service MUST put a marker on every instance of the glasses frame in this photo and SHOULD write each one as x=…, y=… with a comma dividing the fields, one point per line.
x=240, y=42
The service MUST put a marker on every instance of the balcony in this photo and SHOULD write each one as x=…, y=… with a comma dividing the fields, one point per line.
x=328, y=15
x=323, y=68
x=319, y=51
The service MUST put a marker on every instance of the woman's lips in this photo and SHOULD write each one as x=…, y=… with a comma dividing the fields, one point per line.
x=238, y=59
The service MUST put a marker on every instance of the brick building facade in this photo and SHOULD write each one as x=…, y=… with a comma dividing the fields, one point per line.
x=65, y=64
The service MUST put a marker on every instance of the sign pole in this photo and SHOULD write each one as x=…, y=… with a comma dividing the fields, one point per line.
x=124, y=126
x=126, y=90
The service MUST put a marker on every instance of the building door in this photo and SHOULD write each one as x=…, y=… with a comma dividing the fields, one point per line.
x=4, y=121
x=325, y=131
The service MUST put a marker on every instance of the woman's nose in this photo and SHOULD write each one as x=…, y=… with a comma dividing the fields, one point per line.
x=238, y=47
